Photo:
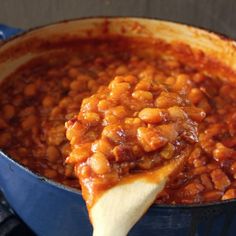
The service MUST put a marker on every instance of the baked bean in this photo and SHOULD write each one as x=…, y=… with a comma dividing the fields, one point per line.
x=212, y=166
x=99, y=163
x=213, y=195
x=147, y=73
x=143, y=85
x=91, y=117
x=92, y=85
x=110, y=119
x=170, y=80
x=56, y=113
x=65, y=102
x=169, y=131
x=5, y=139
x=229, y=194
x=78, y=85
x=199, y=77
x=65, y=83
x=73, y=72
x=51, y=174
x=74, y=131
x=131, y=79
x=176, y=113
x=166, y=100
x=48, y=101
x=119, y=111
x=196, y=114
x=119, y=90
x=53, y=154
x=8, y=111
x=79, y=154
x=200, y=170
x=201, y=161
x=89, y=104
x=133, y=121
x=102, y=146
x=113, y=132
x=122, y=69
x=182, y=83
x=83, y=78
x=151, y=115
x=195, y=95
x=173, y=64
x=142, y=95
x=84, y=171
x=104, y=105
x=29, y=122
x=221, y=152
x=30, y=90
x=56, y=135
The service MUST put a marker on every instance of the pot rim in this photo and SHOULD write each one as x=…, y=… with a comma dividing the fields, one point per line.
x=76, y=191
x=222, y=36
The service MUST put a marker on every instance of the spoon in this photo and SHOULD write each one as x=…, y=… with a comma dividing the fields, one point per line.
x=119, y=208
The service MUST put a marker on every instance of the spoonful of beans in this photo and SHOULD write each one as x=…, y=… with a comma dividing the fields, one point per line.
x=127, y=141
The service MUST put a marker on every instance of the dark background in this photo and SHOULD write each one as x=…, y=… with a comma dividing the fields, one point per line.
x=216, y=15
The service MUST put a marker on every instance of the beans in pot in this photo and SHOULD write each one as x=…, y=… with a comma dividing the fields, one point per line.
x=37, y=100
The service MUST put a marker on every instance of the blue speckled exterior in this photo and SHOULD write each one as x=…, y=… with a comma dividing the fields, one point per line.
x=51, y=209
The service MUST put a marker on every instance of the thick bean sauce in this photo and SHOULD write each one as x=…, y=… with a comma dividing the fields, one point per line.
x=132, y=125
x=153, y=94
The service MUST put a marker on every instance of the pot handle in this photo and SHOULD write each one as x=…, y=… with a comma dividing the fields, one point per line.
x=6, y=31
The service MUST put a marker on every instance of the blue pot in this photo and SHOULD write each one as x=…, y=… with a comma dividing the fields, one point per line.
x=51, y=209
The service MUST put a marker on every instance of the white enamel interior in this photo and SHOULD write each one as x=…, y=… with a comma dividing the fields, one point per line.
x=212, y=44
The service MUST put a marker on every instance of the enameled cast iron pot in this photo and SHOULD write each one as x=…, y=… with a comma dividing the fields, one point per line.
x=51, y=209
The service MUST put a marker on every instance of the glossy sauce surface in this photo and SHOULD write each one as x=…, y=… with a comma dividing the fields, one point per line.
x=133, y=125
x=38, y=99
